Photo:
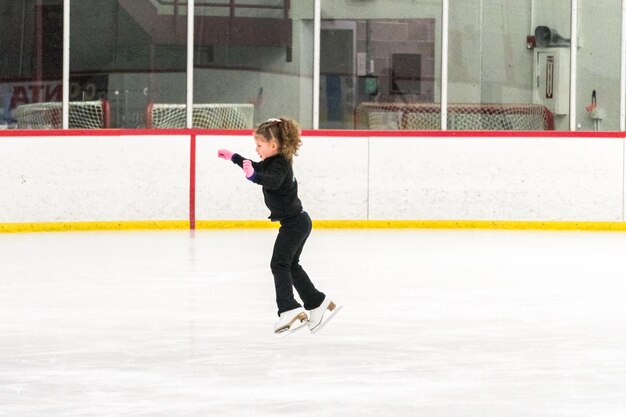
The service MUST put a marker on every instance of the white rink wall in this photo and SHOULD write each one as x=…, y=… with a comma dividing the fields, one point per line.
x=92, y=178
x=471, y=178
x=342, y=176
x=331, y=173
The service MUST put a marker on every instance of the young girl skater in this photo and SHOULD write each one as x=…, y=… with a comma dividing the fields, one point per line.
x=277, y=141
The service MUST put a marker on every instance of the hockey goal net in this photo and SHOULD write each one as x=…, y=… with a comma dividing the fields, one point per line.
x=205, y=115
x=461, y=116
x=82, y=115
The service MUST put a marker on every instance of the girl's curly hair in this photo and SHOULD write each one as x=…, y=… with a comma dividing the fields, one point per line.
x=285, y=131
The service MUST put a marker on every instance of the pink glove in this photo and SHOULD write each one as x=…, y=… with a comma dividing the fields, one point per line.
x=248, y=169
x=225, y=154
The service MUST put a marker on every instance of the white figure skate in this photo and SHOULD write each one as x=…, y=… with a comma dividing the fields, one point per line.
x=320, y=316
x=290, y=321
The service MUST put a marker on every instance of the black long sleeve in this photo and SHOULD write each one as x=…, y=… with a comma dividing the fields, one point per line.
x=280, y=188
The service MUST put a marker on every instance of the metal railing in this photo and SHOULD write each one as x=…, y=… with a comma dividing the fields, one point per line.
x=232, y=5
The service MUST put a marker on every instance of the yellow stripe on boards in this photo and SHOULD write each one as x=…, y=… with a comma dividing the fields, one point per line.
x=91, y=226
x=470, y=224
x=236, y=224
x=318, y=224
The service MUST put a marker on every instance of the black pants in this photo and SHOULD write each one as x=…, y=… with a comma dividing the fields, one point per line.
x=286, y=268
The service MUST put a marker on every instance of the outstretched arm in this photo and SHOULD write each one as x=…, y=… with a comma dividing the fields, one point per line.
x=249, y=167
x=235, y=158
x=238, y=159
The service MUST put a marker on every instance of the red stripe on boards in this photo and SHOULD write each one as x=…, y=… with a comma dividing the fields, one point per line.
x=316, y=133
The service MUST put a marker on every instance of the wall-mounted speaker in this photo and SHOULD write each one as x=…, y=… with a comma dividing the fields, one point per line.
x=546, y=37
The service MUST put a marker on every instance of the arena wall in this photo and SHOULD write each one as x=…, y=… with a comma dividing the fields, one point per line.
x=118, y=179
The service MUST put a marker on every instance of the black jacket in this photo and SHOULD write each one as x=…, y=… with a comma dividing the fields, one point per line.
x=280, y=188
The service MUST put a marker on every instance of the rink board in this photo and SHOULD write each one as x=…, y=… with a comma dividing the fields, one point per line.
x=331, y=174
x=94, y=178
x=502, y=178
x=120, y=179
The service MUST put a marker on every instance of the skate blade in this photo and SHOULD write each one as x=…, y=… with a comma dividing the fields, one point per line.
x=297, y=324
x=334, y=311
x=290, y=330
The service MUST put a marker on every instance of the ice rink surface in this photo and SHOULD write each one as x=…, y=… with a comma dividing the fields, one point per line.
x=436, y=323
